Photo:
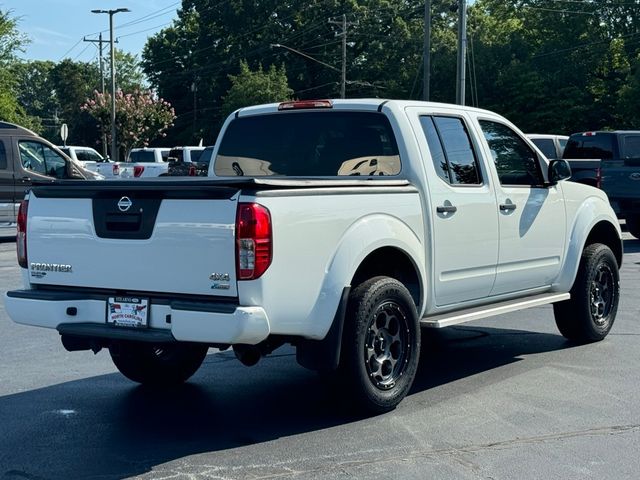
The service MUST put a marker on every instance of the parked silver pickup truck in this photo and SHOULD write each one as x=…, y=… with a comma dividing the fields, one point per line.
x=341, y=227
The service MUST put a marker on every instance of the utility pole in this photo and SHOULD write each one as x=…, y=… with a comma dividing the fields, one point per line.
x=343, y=24
x=100, y=42
x=194, y=89
x=114, y=143
x=462, y=52
x=427, y=51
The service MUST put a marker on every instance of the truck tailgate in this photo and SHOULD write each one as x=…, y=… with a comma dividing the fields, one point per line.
x=161, y=239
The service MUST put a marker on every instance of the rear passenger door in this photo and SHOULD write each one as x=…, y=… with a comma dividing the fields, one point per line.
x=464, y=218
x=532, y=220
x=7, y=183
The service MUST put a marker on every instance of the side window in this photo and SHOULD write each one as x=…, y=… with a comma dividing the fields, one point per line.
x=451, y=150
x=631, y=147
x=56, y=165
x=93, y=156
x=37, y=157
x=515, y=162
x=82, y=155
x=3, y=156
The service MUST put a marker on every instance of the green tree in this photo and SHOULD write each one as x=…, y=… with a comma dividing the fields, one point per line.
x=256, y=87
x=11, y=42
x=36, y=94
x=140, y=117
x=129, y=74
x=73, y=83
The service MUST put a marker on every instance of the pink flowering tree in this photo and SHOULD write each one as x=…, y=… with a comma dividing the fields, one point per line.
x=140, y=117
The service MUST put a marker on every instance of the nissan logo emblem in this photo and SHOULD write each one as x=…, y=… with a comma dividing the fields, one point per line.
x=124, y=204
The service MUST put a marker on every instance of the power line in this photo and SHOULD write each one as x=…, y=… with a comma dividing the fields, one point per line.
x=145, y=30
x=83, y=50
x=578, y=47
x=69, y=51
x=599, y=4
x=558, y=11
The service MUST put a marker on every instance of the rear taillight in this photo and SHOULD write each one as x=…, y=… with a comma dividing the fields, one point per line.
x=116, y=169
x=599, y=178
x=192, y=170
x=21, y=237
x=254, y=248
x=137, y=170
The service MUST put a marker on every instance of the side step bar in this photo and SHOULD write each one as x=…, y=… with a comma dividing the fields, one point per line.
x=476, y=313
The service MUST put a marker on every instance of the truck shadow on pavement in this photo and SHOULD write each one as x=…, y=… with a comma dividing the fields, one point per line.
x=107, y=427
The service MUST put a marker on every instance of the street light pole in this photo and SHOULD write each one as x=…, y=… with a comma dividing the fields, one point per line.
x=114, y=143
x=462, y=52
x=427, y=51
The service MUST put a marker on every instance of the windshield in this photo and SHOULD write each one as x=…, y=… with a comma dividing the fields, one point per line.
x=328, y=143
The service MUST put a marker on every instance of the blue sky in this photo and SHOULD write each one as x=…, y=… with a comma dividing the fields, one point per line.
x=56, y=27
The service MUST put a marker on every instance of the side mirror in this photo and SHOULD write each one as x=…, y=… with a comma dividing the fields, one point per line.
x=559, y=169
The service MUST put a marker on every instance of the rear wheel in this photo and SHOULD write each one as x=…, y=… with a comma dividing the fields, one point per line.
x=381, y=344
x=633, y=226
x=589, y=315
x=161, y=364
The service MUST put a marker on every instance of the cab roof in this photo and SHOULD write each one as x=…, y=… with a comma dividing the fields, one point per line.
x=7, y=128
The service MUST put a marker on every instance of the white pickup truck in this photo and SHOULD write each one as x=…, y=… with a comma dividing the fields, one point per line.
x=144, y=163
x=340, y=227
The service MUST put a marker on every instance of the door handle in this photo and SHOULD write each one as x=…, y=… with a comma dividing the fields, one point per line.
x=446, y=209
x=507, y=207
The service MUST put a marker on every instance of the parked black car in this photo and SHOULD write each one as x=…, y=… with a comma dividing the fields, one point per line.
x=189, y=161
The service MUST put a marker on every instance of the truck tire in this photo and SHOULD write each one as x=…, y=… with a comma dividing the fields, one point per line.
x=589, y=315
x=162, y=364
x=633, y=226
x=380, y=345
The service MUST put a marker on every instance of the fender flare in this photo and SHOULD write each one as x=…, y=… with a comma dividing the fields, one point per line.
x=365, y=236
x=593, y=211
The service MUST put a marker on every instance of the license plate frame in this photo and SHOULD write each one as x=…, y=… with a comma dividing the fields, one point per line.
x=128, y=312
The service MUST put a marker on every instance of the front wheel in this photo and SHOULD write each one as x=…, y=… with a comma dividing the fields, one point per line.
x=161, y=364
x=381, y=344
x=590, y=312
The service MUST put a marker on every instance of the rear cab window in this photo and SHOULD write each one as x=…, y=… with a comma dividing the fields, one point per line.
x=591, y=145
x=142, y=156
x=309, y=144
x=176, y=155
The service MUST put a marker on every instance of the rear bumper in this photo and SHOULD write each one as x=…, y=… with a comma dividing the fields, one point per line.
x=185, y=321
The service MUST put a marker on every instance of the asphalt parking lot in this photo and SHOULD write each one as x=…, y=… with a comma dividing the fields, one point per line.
x=502, y=398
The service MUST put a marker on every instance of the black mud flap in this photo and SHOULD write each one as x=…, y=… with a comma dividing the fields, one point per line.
x=325, y=354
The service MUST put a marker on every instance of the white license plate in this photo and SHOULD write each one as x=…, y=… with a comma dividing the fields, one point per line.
x=128, y=311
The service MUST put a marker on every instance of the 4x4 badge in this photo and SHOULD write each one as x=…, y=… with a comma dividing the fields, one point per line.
x=124, y=204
